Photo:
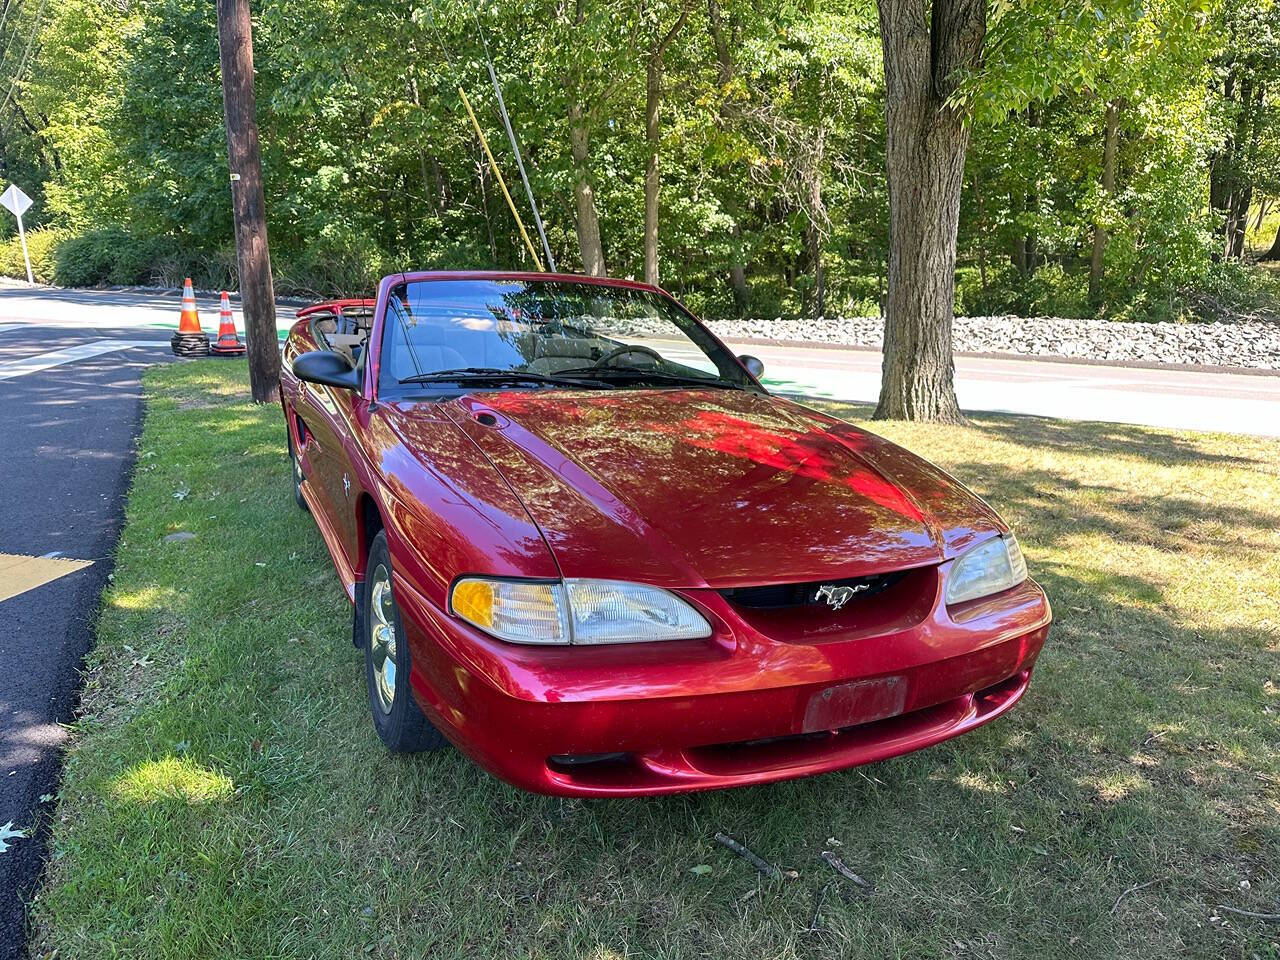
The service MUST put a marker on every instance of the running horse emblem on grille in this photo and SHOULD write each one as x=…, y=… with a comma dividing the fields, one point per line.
x=837, y=597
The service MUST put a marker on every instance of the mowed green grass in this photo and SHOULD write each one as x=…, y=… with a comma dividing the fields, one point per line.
x=226, y=795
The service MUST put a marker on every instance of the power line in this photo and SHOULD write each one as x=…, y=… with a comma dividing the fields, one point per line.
x=9, y=6
x=26, y=55
x=13, y=35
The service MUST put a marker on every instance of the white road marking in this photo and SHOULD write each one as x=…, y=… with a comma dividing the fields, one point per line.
x=55, y=358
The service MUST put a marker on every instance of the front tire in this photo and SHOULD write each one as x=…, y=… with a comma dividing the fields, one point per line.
x=397, y=717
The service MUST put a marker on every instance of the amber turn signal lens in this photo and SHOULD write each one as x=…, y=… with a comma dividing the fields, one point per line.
x=473, y=602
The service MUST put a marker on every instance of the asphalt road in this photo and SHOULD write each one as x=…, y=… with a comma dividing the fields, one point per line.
x=68, y=436
x=1186, y=398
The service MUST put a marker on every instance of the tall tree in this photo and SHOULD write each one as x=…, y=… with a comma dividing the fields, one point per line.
x=926, y=139
x=721, y=30
x=597, y=73
x=1247, y=76
x=661, y=37
x=1110, y=135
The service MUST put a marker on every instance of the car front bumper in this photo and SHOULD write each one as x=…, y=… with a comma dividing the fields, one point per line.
x=739, y=709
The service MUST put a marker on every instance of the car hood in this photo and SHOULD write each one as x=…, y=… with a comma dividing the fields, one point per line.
x=690, y=488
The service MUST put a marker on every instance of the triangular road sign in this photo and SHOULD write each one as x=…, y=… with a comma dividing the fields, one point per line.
x=14, y=200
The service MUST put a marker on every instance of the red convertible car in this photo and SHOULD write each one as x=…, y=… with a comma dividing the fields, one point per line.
x=588, y=548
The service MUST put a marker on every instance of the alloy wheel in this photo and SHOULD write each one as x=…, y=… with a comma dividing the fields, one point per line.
x=382, y=637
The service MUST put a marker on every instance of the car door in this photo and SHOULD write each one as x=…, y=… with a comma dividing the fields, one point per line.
x=318, y=408
x=327, y=416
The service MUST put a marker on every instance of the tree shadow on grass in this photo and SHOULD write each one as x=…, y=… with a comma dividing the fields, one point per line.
x=1047, y=501
x=1152, y=444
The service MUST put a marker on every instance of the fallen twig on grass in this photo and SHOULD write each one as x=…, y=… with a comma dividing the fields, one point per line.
x=838, y=866
x=761, y=864
x=817, y=909
x=1265, y=917
x=1134, y=889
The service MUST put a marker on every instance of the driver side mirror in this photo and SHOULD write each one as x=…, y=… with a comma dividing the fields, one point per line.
x=327, y=367
x=754, y=365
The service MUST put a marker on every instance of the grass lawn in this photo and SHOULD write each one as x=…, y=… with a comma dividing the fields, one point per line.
x=226, y=795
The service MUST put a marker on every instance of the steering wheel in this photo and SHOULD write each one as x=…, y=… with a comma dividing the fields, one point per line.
x=625, y=349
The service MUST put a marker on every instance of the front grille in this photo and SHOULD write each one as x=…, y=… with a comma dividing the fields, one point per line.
x=775, y=596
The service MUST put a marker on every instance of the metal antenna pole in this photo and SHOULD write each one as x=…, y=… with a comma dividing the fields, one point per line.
x=524, y=177
x=511, y=136
x=493, y=165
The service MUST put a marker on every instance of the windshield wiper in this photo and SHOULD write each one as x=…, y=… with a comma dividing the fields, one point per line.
x=640, y=375
x=495, y=375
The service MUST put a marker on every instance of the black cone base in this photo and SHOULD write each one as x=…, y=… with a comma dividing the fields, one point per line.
x=190, y=344
x=227, y=349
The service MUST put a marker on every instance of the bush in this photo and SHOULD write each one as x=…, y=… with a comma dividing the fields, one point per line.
x=1231, y=290
x=111, y=255
x=337, y=261
x=42, y=243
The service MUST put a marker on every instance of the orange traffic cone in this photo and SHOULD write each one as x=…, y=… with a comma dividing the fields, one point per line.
x=228, y=343
x=190, y=340
x=189, y=321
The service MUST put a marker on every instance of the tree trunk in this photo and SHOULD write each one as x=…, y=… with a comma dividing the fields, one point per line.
x=1237, y=221
x=925, y=145
x=721, y=39
x=1263, y=205
x=1274, y=252
x=257, y=292
x=1110, y=134
x=813, y=240
x=814, y=232
x=1229, y=194
x=653, y=143
x=738, y=272
x=586, y=220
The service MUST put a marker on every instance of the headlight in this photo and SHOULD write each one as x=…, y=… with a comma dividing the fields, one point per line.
x=575, y=611
x=994, y=565
x=521, y=611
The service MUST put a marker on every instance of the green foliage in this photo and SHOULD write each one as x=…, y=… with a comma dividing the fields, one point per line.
x=771, y=151
x=41, y=246
x=1232, y=288
x=110, y=256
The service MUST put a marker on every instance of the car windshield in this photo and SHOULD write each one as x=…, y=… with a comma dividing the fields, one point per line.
x=545, y=334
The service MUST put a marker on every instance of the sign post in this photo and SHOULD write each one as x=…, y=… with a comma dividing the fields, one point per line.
x=17, y=202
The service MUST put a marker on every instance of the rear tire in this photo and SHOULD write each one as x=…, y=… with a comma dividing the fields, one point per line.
x=296, y=469
x=397, y=717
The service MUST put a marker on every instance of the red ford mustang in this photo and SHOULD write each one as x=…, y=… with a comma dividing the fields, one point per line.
x=588, y=548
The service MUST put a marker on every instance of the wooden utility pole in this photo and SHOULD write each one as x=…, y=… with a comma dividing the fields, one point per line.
x=257, y=293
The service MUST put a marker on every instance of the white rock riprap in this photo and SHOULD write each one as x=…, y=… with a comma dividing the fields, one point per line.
x=1255, y=345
